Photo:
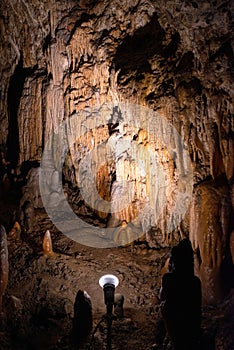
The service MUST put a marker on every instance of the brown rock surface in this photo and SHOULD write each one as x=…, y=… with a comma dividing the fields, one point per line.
x=4, y=264
x=210, y=222
x=67, y=59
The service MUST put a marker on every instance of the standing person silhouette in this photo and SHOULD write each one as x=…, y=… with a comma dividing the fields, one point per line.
x=181, y=299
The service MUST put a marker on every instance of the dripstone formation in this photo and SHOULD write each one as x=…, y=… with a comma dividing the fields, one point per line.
x=59, y=59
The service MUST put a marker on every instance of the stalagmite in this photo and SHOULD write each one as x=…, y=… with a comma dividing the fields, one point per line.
x=4, y=266
x=117, y=75
x=118, y=305
x=127, y=233
x=47, y=244
x=83, y=317
x=15, y=231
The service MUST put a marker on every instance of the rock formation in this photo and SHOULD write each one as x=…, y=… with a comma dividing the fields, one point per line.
x=47, y=247
x=210, y=237
x=83, y=318
x=4, y=265
x=67, y=61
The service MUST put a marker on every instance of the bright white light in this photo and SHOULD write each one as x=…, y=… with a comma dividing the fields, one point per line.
x=108, y=279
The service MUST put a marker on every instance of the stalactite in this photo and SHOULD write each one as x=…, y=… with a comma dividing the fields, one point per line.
x=4, y=265
x=210, y=218
x=58, y=61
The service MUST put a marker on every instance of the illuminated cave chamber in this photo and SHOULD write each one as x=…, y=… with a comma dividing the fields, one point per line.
x=124, y=176
x=174, y=60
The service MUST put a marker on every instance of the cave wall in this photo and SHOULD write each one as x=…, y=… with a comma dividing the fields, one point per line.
x=60, y=58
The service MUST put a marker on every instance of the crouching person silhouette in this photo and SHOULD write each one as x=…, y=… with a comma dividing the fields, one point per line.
x=180, y=296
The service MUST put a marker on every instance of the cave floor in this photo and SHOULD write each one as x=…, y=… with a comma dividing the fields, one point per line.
x=38, y=304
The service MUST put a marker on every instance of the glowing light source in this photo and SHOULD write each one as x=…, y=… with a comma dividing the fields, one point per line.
x=109, y=283
x=109, y=279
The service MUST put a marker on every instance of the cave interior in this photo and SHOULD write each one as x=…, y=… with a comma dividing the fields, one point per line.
x=117, y=142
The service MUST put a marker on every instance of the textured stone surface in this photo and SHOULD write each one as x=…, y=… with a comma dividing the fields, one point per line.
x=39, y=302
x=59, y=58
x=4, y=264
x=210, y=221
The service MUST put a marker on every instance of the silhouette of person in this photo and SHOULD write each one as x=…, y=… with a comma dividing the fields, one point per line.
x=180, y=296
x=83, y=318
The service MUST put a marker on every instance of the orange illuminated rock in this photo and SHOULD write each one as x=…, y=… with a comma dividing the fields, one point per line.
x=15, y=231
x=47, y=244
x=209, y=230
x=165, y=267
